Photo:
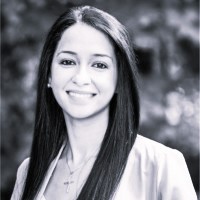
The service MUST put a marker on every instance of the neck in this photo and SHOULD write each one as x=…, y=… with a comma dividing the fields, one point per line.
x=85, y=136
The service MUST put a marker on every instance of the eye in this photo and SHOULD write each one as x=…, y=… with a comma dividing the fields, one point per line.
x=67, y=62
x=100, y=65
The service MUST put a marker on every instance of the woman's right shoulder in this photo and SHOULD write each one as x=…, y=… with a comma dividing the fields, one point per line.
x=22, y=170
x=20, y=180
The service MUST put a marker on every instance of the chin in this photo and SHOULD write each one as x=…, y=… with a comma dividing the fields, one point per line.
x=78, y=113
x=82, y=114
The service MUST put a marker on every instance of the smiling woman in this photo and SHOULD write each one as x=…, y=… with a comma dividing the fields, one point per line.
x=84, y=73
x=86, y=143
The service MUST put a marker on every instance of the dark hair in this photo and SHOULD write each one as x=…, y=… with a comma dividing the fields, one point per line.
x=50, y=130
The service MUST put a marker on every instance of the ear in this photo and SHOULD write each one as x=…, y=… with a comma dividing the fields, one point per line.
x=49, y=82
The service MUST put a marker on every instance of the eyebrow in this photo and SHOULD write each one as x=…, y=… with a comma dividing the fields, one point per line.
x=69, y=52
x=96, y=54
x=102, y=55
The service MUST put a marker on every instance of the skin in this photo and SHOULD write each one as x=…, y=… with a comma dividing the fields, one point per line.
x=83, y=79
x=83, y=74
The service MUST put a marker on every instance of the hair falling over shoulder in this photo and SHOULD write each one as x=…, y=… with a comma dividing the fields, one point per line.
x=50, y=130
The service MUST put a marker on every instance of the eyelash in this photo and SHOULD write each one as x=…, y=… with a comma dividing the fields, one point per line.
x=95, y=65
x=103, y=66
x=67, y=62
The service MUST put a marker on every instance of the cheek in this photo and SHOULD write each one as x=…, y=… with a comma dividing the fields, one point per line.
x=107, y=84
x=59, y=78
x=112, y=80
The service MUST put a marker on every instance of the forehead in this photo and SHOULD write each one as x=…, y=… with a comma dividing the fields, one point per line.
x=81, y=36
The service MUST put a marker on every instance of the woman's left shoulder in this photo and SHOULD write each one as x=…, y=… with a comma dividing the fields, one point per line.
x=155, y=150
x=173, y=178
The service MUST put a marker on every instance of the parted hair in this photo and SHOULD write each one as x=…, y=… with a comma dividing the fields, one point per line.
x=50, y=131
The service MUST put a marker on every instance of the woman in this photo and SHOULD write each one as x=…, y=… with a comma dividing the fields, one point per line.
x=85, y=142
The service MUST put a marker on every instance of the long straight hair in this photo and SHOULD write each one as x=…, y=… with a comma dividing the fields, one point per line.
x=50, y=130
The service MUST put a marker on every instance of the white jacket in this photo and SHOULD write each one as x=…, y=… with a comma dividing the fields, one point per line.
x=153, y=172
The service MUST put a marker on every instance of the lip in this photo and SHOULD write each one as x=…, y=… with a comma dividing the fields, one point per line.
x=81, y=94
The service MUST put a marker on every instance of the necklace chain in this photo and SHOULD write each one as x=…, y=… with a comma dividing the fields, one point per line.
x=70, y=180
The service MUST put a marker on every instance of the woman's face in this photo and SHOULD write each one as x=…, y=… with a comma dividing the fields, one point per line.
x=84, y=72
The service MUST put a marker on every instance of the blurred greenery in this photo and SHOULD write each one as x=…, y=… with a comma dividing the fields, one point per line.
x=166, y=38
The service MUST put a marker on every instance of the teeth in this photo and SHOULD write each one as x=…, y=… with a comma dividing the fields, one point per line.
x=74, y=94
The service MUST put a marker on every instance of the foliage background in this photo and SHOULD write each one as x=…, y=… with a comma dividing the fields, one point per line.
x=165, y=34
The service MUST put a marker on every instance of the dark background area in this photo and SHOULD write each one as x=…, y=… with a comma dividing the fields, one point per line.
x=165, y=35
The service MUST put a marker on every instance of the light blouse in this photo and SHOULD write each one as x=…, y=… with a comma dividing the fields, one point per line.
x=153, y=172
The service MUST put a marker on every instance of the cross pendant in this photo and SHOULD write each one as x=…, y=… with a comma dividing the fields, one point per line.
x=68, y=183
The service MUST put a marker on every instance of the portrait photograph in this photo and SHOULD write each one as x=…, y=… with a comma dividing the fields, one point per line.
x=100, y=100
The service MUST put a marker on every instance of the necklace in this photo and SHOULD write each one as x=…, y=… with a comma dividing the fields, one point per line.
x=70, y=180
x=71, y=173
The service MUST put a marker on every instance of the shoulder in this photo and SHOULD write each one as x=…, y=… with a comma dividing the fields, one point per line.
x=166, y=164
x=154, y=150
x=21, y=177
x=22, y=170
x=156, y=156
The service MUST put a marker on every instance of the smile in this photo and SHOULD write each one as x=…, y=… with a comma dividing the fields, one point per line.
x=80, y=94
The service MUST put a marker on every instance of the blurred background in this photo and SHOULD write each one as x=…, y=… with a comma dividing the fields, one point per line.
x=165, y=35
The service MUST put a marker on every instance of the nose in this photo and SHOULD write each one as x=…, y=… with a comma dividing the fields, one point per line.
x=81, y=77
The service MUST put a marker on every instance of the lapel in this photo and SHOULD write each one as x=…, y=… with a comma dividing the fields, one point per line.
x=40, y=194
